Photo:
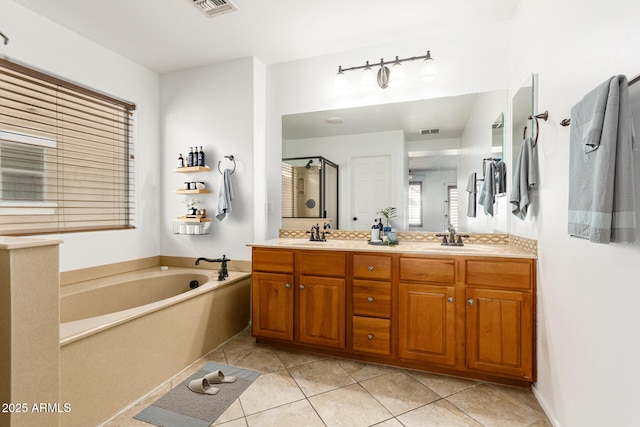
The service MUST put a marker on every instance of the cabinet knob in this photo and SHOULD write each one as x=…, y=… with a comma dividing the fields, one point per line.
x=450, y=299
x=371, y=268
x=370, y=337
x=301, y=286
x=471, y=301
x=287, y=285
x=370, y=299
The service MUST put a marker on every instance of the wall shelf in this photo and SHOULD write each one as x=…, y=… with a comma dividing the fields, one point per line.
x=192, y=169
x=183, y=191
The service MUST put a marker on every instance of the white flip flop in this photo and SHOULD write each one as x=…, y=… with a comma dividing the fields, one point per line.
x=202, y=386
x=217, y=377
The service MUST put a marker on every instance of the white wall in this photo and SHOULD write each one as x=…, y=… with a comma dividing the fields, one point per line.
x=212, y=107
x=474, y=60
x=42, y=44
x=339, y=149
x=588, y=316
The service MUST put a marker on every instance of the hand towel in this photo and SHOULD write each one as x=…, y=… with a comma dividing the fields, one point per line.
x=525, y=179
x=225, y=195
x=501, y=177
x=488, y=193
x=601, y=181
x=471, y=197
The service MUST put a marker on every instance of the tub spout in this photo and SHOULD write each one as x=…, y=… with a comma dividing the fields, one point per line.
x=222, y=272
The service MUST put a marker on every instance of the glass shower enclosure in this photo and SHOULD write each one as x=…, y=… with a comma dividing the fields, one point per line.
x=309, y=192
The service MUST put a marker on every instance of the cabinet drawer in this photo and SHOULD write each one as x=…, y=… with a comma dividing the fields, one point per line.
x=427, y=270
x=499, y=273
x=371, y=335
x=321, y=263
x=372, y=267
x=272, y=260
x=372, y=298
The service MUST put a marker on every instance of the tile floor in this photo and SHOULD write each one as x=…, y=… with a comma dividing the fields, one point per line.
x=302, y=389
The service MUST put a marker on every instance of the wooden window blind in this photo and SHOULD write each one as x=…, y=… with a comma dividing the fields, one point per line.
x=66, y=156
x=415, y=204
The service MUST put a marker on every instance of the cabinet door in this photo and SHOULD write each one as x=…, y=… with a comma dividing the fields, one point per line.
x=272, y=298
x=499, y=332
x=427, y=323
x=322, y=311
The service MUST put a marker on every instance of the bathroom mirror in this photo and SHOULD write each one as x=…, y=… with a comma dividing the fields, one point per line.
x=523, y=107
x=437, y=141
x=497, y=136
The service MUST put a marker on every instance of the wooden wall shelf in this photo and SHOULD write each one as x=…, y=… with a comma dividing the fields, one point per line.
x=183, y=191
x=191, y=169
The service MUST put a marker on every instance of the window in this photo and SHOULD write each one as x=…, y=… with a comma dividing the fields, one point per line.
x=415, y=204
x=66, y=156
x=452, y=206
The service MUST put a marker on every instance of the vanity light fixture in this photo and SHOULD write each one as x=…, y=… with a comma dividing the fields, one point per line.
x=387, y=77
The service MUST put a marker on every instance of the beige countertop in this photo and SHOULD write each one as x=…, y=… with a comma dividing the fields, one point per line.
x=422, y=248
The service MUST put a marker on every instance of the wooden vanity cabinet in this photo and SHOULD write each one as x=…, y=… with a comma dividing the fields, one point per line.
x=371, y=304
x=427, y=310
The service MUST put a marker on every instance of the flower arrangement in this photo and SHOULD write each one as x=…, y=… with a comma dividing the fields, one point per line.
x=388, y=213
x=190, y=204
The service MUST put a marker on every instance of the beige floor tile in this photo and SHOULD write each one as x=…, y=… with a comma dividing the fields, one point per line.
x=522, y=395
x=269, y=391
x=233, y=412
x=296, y=414
x=444, y=385
x=543, y=422
x=437, y=414
x=264, y=360
x=349, y=406
x=362, y=371
x=389, y=423
x=291, y=358
x=240, y=422
x=217, y=356
x=243, y=342
x=321, y=376
x=399, y=392
x=490, y=407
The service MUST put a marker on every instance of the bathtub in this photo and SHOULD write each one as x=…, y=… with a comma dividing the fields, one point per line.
x=122, y=336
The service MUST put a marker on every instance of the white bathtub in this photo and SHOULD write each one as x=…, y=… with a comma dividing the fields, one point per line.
x=121, y=336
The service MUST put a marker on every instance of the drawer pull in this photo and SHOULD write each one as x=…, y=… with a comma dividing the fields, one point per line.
x=301, y=286
x=371, y=268
x=370, y=299
x=287, y=285
x=370, y=337
x=450, y=299
x=470, y=301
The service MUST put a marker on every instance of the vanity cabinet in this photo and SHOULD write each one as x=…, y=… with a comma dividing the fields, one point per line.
x=371, y=304
x=299, y=297
x=472, y=316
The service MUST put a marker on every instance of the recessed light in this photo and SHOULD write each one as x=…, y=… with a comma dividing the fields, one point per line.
x=335, y=120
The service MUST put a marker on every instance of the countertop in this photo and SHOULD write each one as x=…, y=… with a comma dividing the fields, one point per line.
x=422, y=248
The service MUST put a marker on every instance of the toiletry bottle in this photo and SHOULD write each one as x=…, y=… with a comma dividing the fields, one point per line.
x=375, y=231
x=190, y=157
x=200, y=157
x=180, y=161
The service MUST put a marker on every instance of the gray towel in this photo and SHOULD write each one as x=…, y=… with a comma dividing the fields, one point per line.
x=488, y=193
x=225, y=196
x=501, y=177
x=525, y=179
x=471, y=197
x=601, y=181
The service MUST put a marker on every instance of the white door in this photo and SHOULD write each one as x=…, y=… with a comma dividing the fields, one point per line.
x=370, y=179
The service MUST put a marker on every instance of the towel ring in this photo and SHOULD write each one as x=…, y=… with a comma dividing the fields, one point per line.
x=544, y=116
x=230, y=157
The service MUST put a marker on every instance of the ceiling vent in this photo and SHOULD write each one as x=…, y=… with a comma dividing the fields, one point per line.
x=429, y=131
x=213, y=8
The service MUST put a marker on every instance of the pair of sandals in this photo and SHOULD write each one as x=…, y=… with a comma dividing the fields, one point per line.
x=203, y=385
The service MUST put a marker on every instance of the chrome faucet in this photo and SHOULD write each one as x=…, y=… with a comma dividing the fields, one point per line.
x=223, y=273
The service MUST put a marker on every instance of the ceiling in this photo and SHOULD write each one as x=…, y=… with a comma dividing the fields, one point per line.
x=169, y=35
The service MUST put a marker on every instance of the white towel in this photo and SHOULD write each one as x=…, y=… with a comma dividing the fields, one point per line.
x=471, y=197
x=601, y=181
x=488, y=193
x=525, y=179
x=225, y=196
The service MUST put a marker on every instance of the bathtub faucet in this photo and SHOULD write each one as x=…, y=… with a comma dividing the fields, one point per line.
x=222, y=272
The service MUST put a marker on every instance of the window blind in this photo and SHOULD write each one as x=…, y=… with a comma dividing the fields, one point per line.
x=67, y=157
x=452, y=198
x=415, y=204
x=288, y=198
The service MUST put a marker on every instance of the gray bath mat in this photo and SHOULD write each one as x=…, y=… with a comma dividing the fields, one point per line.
x=181, y=407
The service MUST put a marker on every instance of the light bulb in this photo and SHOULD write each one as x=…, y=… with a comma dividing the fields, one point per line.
x=429, y=70
x=368, y=79
x=397, y=74
x=340, y=81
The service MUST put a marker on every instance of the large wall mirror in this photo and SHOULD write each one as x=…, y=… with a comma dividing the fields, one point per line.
x=523, y=107
x=416, y=156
